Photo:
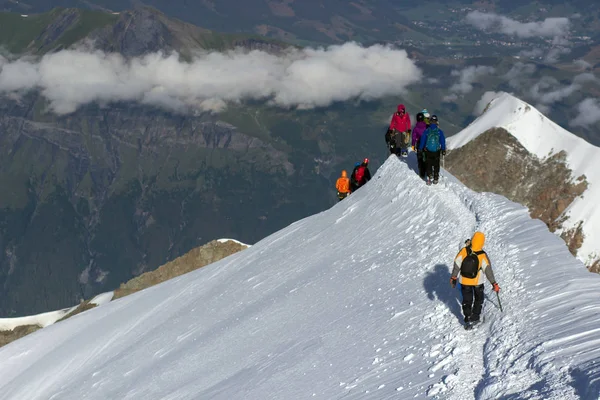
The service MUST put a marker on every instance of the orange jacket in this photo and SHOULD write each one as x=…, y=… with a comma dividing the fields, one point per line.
x=343, y=183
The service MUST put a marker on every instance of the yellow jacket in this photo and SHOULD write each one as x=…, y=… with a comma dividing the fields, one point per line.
x=485, y=266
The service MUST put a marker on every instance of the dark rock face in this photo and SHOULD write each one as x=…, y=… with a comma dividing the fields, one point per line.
x=136, y=33
x=145, y=30
x=496, y=162
x=57, y=27
x=102, y=195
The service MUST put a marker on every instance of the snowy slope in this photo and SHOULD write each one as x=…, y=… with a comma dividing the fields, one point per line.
x=351, y=303
x=225, y=240
x=48, y=318
x=542, y=137
x=43, y=320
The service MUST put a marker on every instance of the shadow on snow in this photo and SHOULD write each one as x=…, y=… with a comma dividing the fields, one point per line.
x=437, y=285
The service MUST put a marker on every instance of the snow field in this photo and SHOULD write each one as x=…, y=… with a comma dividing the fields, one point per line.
x=49, y=318
x=352, y=303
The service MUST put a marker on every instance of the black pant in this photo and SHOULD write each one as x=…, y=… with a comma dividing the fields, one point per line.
x=472, y=310
x=421, y=164
x=432, y=160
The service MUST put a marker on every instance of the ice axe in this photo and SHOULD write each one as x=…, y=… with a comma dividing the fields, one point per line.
x=499, y=302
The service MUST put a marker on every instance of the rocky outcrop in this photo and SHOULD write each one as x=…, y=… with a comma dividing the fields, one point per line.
x=574, y=238
x=10, y=336
x=196, y=258
x=496, y=162
x=595, y=267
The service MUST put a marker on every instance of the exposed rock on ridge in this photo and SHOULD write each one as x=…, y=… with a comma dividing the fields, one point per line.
x=496, y=162
x=196, y=258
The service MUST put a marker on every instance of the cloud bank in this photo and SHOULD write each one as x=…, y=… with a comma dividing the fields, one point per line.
x=555, y=28
x=484, y=101
x=305, y=78
x=588, y=113
x=583, y=64
x=519, y=75
x=466, y=78
x=550, y=27
x=548, y=90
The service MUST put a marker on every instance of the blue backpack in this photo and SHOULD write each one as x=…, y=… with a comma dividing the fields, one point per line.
x=433, y=139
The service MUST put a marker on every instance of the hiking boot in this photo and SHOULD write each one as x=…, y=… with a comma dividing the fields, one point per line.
x=435, y=181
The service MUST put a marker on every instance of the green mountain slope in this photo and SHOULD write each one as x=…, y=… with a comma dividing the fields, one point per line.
x=101, y=195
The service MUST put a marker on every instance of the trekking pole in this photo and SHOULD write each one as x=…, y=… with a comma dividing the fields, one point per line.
x=499, y=302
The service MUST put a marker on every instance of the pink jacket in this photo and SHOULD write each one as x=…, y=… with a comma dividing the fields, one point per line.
x=401, y=120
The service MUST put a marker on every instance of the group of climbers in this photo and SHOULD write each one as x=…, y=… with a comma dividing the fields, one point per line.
x=360, y=175
x=428, y=140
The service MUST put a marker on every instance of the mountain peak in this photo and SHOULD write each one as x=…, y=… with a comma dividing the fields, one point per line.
x=549, y=143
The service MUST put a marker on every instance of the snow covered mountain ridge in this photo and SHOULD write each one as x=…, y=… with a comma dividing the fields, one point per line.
x=579, y=222
x=351, y=303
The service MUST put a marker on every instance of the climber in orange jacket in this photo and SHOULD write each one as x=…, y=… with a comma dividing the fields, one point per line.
x=343, y=186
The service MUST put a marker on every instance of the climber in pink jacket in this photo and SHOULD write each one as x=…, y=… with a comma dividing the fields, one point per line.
x=401, y=120
x=400, y=128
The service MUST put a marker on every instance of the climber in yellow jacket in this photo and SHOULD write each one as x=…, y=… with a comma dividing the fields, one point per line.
x=343, y=186
x=472, y=263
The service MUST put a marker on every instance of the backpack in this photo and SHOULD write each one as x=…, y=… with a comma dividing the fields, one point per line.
x=390, y=137
x=433, y=139
x=469, y=268
x=360, y=173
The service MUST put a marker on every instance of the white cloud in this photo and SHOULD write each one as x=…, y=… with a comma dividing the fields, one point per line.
x=484, y=101
x=304, y=78
x=543, y=108
x=553, y=55
x=449, y=98
x=519, y=74
x=555, y=28
x=588, y=113
x=466, y=78
x=548, y=90
x=582, y=64
x=533, y=53
x=550, y=27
